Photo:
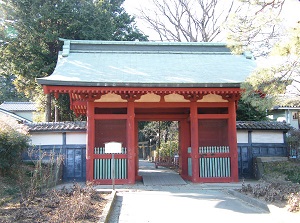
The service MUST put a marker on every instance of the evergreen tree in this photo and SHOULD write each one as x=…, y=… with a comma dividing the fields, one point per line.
x=279, y=76
x=30, y=49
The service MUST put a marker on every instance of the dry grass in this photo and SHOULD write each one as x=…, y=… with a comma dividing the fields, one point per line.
x=78, y=204
x=279, y=185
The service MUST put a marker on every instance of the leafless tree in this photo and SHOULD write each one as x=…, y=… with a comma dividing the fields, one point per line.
x=187, y=20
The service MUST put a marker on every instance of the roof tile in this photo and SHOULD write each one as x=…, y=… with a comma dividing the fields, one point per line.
x=18, y=106
x=262, y=125
x=81, y=126
x=57, y=126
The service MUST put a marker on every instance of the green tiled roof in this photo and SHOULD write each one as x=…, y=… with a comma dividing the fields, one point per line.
x=153, y=64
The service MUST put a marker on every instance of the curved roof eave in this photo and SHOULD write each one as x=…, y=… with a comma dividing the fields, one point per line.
x=129, y=84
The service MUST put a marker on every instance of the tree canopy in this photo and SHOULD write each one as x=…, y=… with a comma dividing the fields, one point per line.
x=262, y=31
x=30, y=32
x=278, y=76
x=255, y=27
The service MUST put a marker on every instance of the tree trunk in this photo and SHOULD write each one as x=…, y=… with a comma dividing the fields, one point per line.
x=56, y=114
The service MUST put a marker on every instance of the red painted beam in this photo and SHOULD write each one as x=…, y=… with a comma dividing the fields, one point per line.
x=213, y=116
x=162, y=117
x=109, y=182
x=110, y=116
x=139, y=90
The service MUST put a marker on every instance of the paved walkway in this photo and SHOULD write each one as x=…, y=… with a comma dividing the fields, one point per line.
x=188, y=202
x=141, y=203
x=160, y=176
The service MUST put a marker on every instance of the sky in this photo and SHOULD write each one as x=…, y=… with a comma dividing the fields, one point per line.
x=290, y=13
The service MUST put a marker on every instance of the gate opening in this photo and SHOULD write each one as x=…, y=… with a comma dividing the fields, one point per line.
x=158, y=143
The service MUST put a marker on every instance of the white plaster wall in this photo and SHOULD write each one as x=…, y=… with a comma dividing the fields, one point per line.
x=76, y=138
x=242, y=136
x=267, y=137
x=46, y=139
x=291, y=120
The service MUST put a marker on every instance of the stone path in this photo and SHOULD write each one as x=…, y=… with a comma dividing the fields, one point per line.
x=160, y=176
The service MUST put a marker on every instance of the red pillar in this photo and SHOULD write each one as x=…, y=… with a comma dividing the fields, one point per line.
x=90, y=141
x=184, y=133
x=232, y=138
x=131, y=142
x=194, y=141
x=136, y=146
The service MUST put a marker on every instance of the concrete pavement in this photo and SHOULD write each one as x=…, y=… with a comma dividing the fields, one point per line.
x=189, y=202
x=164, y=201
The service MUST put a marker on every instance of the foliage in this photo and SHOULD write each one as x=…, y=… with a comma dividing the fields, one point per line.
x=293, y=140
x=8, y=91
x=9, y=190
x=277, y=77
x=255, y=26
x=247, y=112
x=13, y=141
x=32, y=51
x=290, y=170
x=159, y=131
x=164, y=134
x=168, y=149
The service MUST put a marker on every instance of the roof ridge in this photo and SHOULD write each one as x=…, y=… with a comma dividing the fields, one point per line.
x=18, y=102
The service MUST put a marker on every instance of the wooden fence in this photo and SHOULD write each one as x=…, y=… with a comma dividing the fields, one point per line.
x=214, y=161
x=103, y=165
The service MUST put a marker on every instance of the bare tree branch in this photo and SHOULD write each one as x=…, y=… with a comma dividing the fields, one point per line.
x=187, y=20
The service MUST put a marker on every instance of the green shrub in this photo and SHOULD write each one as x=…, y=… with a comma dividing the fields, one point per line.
x=289, y=169
x=14, y=140
x=168, y=149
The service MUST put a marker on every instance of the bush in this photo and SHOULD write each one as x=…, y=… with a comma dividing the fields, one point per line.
x=14, y=140
x=168, y=149
x=293, y=140
x=289, y=169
